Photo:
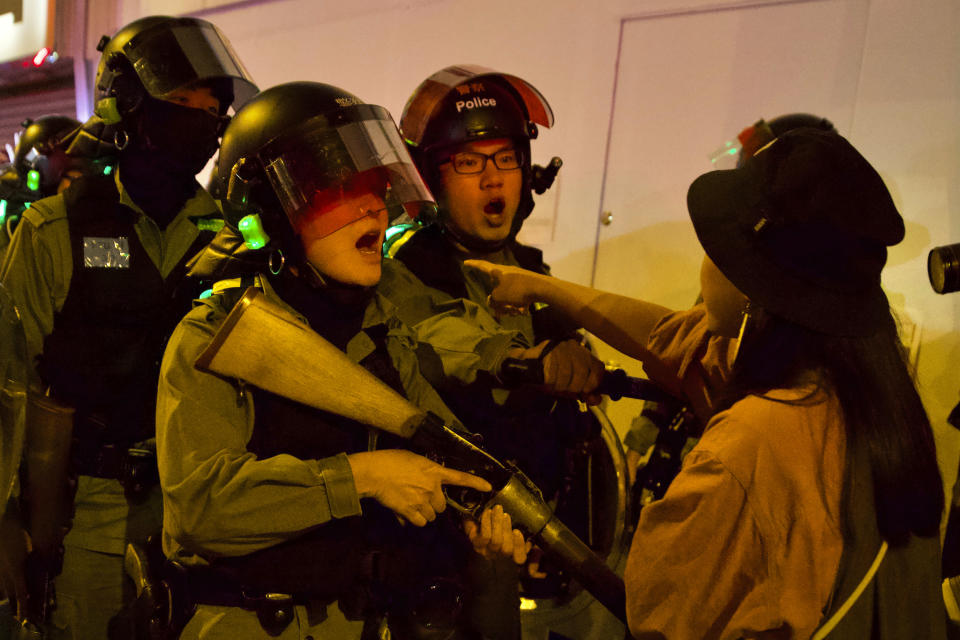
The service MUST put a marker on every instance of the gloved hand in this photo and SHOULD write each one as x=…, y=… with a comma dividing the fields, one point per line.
x=569, y=368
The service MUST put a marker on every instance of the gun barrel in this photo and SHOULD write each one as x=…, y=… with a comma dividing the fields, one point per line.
x=574, y=556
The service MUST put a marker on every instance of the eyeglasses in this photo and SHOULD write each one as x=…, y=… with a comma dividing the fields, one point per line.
x=473, y=162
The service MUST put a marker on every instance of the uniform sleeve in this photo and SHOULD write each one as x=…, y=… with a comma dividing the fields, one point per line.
x=219, y=499
x=416, y=388
x=36, y=272
x=698, y=560
x=457, y=339
x=462, y=340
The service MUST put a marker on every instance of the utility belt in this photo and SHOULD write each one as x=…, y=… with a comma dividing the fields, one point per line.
x=96, y=451
x=431, y=610
x=168, y=598
x=135, y=467
x=194, y=586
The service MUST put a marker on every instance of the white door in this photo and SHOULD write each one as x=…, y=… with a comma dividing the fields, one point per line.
x=686, y=83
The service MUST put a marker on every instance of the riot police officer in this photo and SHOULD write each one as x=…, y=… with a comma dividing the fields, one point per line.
x=276, y=511
x=469, y=130
x=41, y=167
x=96, y=273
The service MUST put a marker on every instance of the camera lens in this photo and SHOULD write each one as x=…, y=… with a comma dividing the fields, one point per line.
x=943, y=267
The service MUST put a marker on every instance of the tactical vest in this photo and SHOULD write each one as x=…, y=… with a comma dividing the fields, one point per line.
x=533, y=428
x=103, y=355
x=366, y=562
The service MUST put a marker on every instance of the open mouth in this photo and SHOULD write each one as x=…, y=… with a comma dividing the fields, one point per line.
x=369, y=242
x=495, y=206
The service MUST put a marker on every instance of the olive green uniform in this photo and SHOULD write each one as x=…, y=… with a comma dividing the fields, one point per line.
x=220, y=500
x=37, y=271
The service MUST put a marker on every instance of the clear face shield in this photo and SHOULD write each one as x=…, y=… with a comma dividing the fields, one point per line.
x=734, y=153
x=334, y=157
x=190, y=52
x=432, y=91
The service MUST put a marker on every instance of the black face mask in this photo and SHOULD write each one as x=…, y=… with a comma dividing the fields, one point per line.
x=180, y=139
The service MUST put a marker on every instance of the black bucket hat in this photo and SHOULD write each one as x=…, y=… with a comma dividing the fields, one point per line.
x=802, y=230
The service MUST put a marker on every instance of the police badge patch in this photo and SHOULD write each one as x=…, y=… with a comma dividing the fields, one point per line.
x=106, y=253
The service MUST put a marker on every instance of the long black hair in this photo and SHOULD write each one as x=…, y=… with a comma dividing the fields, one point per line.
x=884, y=419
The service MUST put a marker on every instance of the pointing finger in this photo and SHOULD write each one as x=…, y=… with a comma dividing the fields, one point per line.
x=463, y=479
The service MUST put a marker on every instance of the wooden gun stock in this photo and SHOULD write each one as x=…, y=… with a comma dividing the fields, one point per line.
x=263, y=344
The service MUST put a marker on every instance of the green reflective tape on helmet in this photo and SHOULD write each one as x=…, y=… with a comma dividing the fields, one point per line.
x=33, y=180
x=107, y=170
x=3, y=211
x=206, y=294
x=251, y=228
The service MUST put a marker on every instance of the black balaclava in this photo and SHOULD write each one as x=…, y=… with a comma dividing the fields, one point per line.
x=169, y=145
x=333, y=309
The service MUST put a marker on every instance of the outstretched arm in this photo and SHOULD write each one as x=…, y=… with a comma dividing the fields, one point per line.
x=623, y=323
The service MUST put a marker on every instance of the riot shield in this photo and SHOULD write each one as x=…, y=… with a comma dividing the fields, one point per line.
x=597, y=513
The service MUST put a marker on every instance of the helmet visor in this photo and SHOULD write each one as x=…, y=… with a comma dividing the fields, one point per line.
x=352, y=151
x=432, y=91
x=188, y=52
x=734, y=153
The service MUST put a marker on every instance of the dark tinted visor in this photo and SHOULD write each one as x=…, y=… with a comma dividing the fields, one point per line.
x=187, y=53
x=335, y=154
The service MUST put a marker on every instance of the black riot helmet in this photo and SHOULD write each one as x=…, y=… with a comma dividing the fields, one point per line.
x=763, y=132
x=466, y=103
x=294, y=150
x=40, y=137
x=162, y=143
x=157, y=55
x=42, y=157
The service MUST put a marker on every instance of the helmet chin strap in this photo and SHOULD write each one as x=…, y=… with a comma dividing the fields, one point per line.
x=312, y=276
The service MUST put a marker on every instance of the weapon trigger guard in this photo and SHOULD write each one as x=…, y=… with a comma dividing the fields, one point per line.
x=472, y=512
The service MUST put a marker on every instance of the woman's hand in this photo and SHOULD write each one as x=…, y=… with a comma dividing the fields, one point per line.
x=514, y=289
x=409, y=485
x=496, y=536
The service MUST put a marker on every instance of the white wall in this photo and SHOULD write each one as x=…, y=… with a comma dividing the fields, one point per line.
x=904, y=120
x=907, y=122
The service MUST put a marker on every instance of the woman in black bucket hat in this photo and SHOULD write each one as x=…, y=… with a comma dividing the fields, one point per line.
x=811, y=505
